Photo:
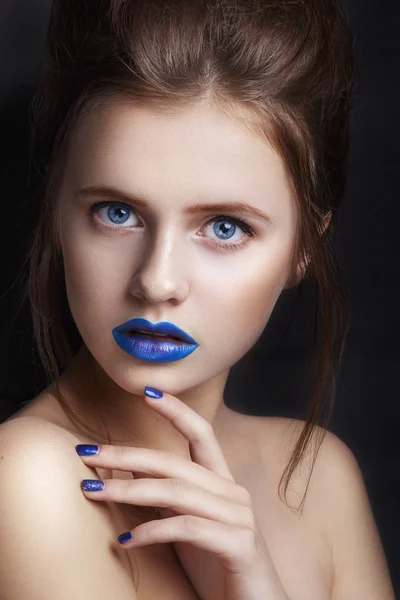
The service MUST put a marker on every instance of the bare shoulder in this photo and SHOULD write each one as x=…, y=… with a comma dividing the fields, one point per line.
x=339, y=500
x=360, y=566
x=277, y=438
x=26, y=437
x=47, y=526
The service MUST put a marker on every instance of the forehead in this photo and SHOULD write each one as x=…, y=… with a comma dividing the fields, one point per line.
x=165, y=148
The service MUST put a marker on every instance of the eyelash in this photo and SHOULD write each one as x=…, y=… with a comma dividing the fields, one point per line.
x=247, y=230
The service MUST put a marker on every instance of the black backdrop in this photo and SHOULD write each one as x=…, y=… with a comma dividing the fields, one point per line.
x=367, y=410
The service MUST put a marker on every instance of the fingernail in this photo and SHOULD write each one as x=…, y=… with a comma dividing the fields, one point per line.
x=87, y=449
x=92, y=485
x=125, y=537
x=153, y=393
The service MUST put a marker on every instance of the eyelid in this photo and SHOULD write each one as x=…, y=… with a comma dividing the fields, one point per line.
x=242, y=223
x=129, y=207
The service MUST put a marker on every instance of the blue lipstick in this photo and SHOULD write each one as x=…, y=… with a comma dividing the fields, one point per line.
x=137, y=338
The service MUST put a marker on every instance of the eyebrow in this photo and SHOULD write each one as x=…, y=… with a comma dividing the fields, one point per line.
x=110, y=192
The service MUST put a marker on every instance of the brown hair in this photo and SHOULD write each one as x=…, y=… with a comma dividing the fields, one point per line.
x=284, y=67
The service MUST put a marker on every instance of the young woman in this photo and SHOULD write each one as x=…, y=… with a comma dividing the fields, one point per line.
x=193, y=156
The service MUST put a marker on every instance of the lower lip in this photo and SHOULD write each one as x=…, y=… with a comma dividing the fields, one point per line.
x=150, y=350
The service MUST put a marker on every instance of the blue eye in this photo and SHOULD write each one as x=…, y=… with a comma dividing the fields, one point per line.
x=117, y=213
x=226, y=231
x=224, y=227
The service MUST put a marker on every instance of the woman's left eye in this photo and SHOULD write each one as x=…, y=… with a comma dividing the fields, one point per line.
x=227, y=227
x=223, y=226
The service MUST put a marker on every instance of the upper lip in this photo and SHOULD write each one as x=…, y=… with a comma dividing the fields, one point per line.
x=165, y=327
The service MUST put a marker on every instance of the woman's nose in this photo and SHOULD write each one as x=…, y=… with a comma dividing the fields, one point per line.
x=163, y=273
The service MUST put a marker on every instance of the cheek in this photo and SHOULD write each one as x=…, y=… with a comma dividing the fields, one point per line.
x=93, y=275
x=239, y=304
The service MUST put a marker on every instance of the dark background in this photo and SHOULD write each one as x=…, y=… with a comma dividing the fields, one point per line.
x=367, y=414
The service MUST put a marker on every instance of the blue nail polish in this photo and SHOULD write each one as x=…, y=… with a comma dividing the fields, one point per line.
x=125, y=537
x=153, y=393
x=87, y=449
x=92, y=485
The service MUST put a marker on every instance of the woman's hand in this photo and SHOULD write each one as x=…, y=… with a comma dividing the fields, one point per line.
x=206, y=515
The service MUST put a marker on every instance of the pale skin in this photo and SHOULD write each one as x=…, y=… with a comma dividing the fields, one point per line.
x=162, y=266
x=202, y=507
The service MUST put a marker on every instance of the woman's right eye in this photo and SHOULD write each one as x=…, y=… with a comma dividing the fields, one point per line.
x=112, y=213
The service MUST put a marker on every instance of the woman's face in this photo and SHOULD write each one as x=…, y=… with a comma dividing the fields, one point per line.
x=216, y=272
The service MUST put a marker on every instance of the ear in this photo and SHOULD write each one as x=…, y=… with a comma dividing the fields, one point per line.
x=303, y=262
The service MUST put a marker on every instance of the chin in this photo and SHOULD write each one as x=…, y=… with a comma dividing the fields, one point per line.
x=131, y=375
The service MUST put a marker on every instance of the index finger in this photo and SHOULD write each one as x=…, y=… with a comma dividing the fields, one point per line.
x=203, y=444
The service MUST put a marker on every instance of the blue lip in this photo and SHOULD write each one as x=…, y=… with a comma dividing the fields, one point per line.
x=153, y=351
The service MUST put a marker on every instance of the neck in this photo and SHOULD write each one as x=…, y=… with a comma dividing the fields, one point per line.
x=126, y=416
